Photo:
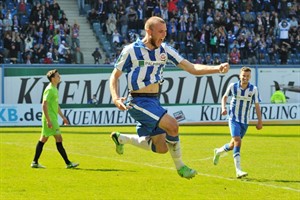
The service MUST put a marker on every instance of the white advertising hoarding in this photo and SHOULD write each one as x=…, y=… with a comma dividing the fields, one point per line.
x=178, y=87
x=31, y=114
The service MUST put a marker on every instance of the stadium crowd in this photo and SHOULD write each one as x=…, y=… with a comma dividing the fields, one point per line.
x=209, y=31
x=34, y=31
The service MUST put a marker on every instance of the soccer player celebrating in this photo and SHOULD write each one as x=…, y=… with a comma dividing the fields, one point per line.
x=244, y=94
x=143, y=62
x=50, y=126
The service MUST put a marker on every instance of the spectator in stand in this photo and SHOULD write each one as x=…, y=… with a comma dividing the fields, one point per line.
x=221, y=40
x=56, y=39
x=55, y=56
x=132, y=19
x=208, y=60
x=294, y=22
x=217, y=60
x=27, y=57
x=111, y=25
x=15, y=25
x=234, y=56
x=235, y=44
x=243, y=49
x=213, y=42
x=63, y=19
x=101, y=11
x=97, y=56
x=50, y=25
x=92, y=17
x=40, y=36
x=21, y=8
x=116, y=38
x=28, y=42
x=48, y=59
x=189, y=43
x=34, y=53
x=13, y=54
x=182, y=28
x=7, y=44
x=283, y=51
x=55, y=10
x=123, y=21
x=7, y=23
x=107, y=60
x=262, y=48
x=284, y=27
x=164, y=13
x=62, y=50
x=1, y=56
x=1, y=26
x=75, y=35
x=199, y=60
x=172, y=30
x=251, y=53
x=78, y=56
x=41, y=53
x=248, y=18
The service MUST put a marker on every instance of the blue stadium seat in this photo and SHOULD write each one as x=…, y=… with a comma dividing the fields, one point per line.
x=190, y=57
x=296, y=61
x=10, y=6
x=24, y=20
x=263, y=61
x=182, y=46
x=183, y=55
x=62, y=61
x=216, y=55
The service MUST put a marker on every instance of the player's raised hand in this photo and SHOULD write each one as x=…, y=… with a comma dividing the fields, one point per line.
x=224, y=68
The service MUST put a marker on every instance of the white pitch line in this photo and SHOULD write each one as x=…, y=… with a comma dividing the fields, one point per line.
x=170, y=168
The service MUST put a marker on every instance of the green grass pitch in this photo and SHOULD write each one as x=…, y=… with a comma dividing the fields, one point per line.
x=270, y=156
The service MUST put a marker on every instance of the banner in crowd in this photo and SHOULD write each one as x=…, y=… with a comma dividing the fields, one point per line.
x=31, y=115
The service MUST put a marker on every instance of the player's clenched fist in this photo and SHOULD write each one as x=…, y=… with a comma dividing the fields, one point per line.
x=224, y=67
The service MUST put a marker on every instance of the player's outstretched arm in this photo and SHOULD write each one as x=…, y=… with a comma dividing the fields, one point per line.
x=200, y=69
x=114, y=89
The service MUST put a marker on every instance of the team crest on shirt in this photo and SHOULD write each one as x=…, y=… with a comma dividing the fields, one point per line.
x=163, y=57
x=250, y=94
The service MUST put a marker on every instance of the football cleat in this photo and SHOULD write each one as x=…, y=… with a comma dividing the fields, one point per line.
x=216, y=157
x=240, y=174
x=72, y=165
x=36, y=165
x=119, y=147
x=186, y=172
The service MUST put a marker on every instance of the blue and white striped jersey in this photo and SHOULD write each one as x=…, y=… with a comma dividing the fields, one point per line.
x=143, y=66
x=241, y=101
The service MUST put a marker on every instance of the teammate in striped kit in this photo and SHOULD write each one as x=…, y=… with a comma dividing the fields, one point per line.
x=143, y=62
x=244, y=94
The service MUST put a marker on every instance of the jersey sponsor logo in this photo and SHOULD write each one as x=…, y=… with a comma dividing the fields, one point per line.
x=150, y=63
x=243, y=98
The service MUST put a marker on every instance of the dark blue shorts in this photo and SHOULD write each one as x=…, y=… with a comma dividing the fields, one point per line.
x=237, y=128
x=147, y=111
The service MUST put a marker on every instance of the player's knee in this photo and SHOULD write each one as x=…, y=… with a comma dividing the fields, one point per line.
x=173, y=130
